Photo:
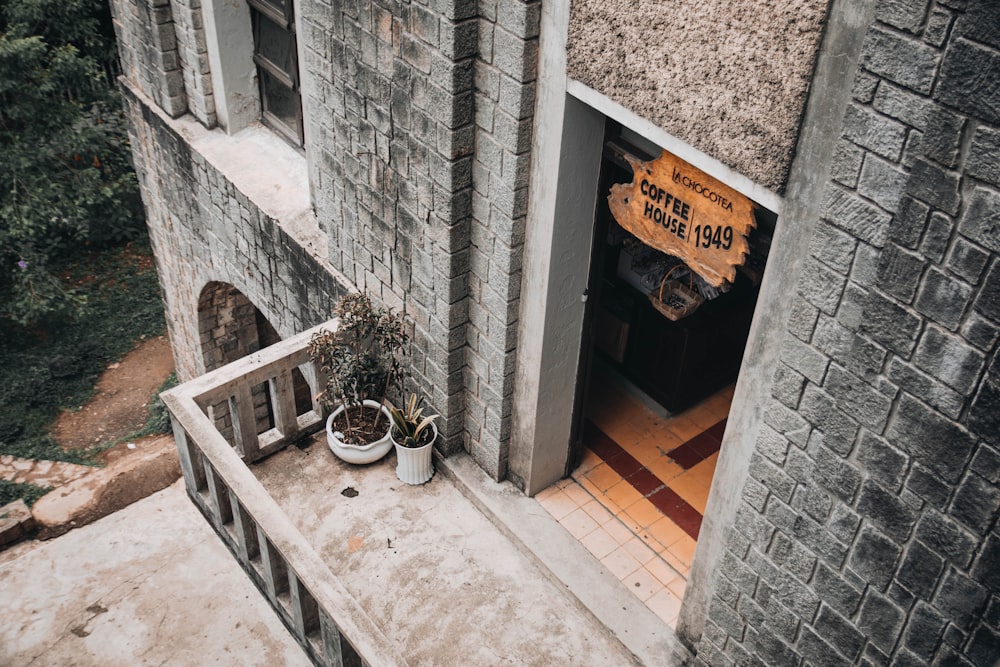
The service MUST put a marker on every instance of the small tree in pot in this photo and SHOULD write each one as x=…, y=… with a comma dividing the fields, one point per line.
x=362, y=358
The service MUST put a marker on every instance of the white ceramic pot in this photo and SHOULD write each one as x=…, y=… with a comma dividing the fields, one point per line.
x=358, y=453
x=414, y=464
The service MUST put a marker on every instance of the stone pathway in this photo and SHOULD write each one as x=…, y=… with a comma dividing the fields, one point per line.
x=40, y=473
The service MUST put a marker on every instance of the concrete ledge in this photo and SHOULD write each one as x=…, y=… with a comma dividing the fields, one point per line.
x=559, y=554
x=107, y=490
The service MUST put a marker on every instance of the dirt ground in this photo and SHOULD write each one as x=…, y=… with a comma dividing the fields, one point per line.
x=119, y=404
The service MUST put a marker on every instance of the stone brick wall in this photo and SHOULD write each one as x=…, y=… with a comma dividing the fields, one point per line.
x=192, y=51
x=419, y=126
x=868, y=529
x=147, y=47
x=205, y=230
x=505, y=72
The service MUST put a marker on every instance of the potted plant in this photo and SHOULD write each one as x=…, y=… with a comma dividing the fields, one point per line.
x=361, y=358
x=414, y=436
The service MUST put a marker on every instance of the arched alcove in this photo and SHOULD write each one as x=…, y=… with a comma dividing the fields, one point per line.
x=231, y=327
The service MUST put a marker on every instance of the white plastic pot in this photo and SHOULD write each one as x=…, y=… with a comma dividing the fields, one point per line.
x=414, y=464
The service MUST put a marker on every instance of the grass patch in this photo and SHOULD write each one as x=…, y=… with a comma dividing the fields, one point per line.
x=56, y=364
x=11, y=491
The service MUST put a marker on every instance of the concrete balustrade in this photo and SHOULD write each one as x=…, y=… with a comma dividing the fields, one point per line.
x=331, y=627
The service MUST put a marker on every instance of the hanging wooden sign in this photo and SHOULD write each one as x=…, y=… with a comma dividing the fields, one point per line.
x=682, y=211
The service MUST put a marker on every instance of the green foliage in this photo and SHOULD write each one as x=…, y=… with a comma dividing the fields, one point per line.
x=11, y=491
x=66, y=180
x=409, y=427
x=159, y=417
x=363, y=355
x=55, y=363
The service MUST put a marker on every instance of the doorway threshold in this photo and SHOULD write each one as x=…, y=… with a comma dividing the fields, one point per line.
x=557, y=551
x=637, y=499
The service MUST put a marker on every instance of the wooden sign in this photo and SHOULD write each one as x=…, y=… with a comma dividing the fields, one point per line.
x=684, y=212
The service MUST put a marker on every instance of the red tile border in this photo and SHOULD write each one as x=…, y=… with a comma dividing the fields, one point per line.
x=718, y=430
x=645, y=481
x=698, y=448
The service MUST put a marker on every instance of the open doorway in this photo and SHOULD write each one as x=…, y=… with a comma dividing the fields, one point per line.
x=653, y=397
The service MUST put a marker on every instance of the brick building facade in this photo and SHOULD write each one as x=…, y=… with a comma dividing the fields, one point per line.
x=450, y=164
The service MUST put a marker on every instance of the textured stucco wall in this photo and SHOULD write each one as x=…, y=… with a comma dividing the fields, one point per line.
x=730, y=78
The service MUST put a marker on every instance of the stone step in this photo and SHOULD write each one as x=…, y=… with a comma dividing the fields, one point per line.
x=16, y=522
x=109, y=489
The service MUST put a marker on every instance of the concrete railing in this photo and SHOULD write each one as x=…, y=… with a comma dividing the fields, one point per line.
x=329, y=624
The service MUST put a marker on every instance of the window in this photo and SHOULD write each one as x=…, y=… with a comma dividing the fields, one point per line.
x=274, y=53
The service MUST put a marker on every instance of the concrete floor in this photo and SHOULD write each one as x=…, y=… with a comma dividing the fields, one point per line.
x=148, y=585
x=441, y=579
x=449, y=585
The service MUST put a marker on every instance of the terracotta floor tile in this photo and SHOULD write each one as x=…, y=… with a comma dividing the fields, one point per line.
x=600, y=543
x=646, y=453
x=650, y=541
x=588, y=486
x=643, y=584
x=683, y=428
x=703, y=414
x=558, y=504
x=666, y=605
x=597, y=512
x=689, y=519
x=623, y=494
x=666, y=531
x=684, y=550
x=632, y=536
x=618, y=530
x=546, y=492
x=588, y=460
x=603, y=477
x=666, y=469
x=630, y=523
x=620, y=563
x=676, y=563
x=639, y=550
x=692, y=489
x=644, y=513
x=678, y=510
x=577, y=493
x=579, y=523
x=705, y=470
x=665, y=574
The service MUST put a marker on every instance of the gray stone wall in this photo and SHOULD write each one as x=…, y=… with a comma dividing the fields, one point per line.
x=205, y=230
x=147, y=47
x=729, y=78
x=192, y=51
x=418, y=137
x=505, y=99
x=868, y=529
